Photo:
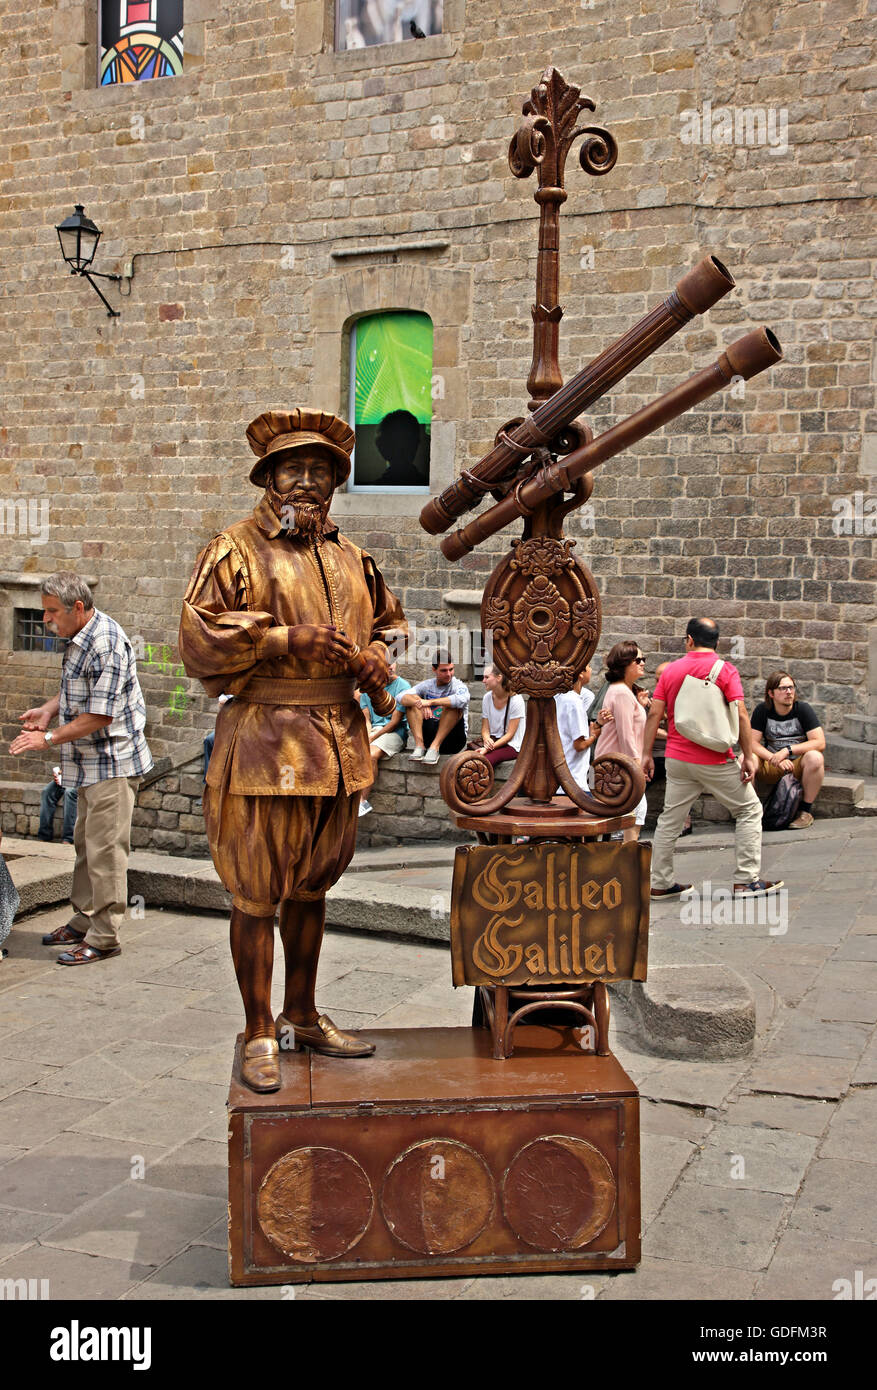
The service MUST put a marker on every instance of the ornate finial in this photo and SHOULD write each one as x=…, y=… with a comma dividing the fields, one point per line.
x=542, y=141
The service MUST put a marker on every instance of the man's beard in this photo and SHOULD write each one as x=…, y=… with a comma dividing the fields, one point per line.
x=297, y=516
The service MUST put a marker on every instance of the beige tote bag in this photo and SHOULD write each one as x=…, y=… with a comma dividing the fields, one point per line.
x=703, y=715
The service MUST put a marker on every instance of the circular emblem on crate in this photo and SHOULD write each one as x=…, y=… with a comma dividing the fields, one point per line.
x=437, y=1196
x=315, y=1204
x=558, y=1193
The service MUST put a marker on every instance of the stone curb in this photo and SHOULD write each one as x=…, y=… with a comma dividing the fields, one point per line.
x=690, y=1012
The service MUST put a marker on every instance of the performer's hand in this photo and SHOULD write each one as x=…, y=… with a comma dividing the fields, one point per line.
x=38, y=718
x=311, y=643
x=374, y=670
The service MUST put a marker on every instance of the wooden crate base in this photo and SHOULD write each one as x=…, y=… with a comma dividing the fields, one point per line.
x=431, y=1159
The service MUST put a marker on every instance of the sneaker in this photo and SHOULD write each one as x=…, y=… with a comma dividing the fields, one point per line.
x=432, y=755
x=758, y=888
x=802, y=822
x=365, y=807
x=671, y=892
x=418, y=753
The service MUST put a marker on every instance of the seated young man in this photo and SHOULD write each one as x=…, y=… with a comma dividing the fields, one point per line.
x=388, y=733
x=787, y=737
x=437, y=711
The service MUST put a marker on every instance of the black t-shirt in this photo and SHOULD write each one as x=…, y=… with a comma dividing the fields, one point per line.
x=779, y=733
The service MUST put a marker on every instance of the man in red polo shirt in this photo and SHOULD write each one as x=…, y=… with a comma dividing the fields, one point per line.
x=692, y=769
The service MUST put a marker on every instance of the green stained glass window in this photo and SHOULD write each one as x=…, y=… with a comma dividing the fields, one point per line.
x=391, y=401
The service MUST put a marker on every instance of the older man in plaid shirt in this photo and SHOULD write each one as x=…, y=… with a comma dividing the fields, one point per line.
x=103, y=753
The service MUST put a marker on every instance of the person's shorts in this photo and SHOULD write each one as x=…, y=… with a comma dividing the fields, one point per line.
x=770, y=773
x=390, y=743
x=640, y=812
x=455, y=741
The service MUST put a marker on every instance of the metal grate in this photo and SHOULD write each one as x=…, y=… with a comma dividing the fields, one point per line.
x=29, y=634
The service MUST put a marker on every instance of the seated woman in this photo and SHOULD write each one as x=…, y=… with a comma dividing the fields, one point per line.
x=503, y=717
x=625, y=665
x=787, y=737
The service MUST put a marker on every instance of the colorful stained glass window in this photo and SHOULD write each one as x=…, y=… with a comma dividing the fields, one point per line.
x=140, y=39
x=361, y=23
x=391, y=401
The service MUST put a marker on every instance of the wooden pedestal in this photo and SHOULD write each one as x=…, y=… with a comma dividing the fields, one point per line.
x=430, y=1159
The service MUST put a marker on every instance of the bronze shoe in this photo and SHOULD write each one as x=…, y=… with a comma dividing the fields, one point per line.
x=323, y=1037
x=260, y=1069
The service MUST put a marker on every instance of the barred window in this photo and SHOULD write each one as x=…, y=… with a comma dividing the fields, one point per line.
x=29, y=634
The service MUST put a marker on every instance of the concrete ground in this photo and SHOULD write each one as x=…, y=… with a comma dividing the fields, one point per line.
x=758, y=1174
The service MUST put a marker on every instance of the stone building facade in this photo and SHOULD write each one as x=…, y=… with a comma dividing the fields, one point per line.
x=278, y=190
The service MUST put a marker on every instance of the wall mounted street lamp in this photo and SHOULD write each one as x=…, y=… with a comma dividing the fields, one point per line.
x=79, y=238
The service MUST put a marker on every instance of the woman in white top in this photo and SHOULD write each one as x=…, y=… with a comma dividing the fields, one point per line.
x=503, y=719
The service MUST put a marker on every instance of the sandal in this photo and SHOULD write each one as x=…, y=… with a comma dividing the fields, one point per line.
x=63, y=936
x=85, y=955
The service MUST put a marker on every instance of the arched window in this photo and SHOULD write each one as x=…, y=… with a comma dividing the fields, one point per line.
x=391, y=401
x=140, y=39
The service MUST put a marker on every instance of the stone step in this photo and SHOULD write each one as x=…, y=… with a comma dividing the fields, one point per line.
x=860, y=727
x=868, y=805
x=849, y=755
x=841, y=795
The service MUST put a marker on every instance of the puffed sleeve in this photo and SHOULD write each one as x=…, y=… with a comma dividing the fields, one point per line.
x=219, y=634
x=389, y=625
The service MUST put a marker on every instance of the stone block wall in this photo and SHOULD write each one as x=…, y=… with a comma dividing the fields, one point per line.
x=278, y=190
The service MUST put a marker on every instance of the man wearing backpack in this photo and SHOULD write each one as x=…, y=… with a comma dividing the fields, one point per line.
x=693, y=767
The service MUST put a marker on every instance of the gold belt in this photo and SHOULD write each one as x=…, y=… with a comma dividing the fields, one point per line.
x=263, y=691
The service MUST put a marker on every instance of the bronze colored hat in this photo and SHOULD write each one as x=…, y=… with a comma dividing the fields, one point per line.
x=279, y=431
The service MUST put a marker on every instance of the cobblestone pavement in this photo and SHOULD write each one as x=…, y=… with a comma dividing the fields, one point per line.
x=758, y=1175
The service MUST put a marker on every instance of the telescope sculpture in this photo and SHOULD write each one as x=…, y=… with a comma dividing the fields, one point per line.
x=541, y=607
x=541, y=612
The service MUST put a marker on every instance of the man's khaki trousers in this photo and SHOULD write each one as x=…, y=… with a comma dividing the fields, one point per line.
x=102, y=839
x=685, y=782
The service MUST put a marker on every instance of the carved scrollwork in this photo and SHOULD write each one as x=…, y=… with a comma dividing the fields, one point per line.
x=543, y=138
x=586, y=619
x=618, y=783
x=527, y=148
x=542, y=680
x=599, y=150
x=543, y=613
x=473, y=778
x=542, y=555
x=496, y=616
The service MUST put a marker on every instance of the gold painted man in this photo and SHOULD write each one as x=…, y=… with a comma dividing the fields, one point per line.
x=280, y=612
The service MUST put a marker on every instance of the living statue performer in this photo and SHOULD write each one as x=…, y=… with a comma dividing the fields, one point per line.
x=281, y=612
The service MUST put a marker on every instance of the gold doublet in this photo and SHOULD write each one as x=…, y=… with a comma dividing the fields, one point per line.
x=291, y=749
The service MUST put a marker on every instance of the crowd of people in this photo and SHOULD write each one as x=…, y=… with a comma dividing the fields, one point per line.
x=103, y=751
x=782, y=739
